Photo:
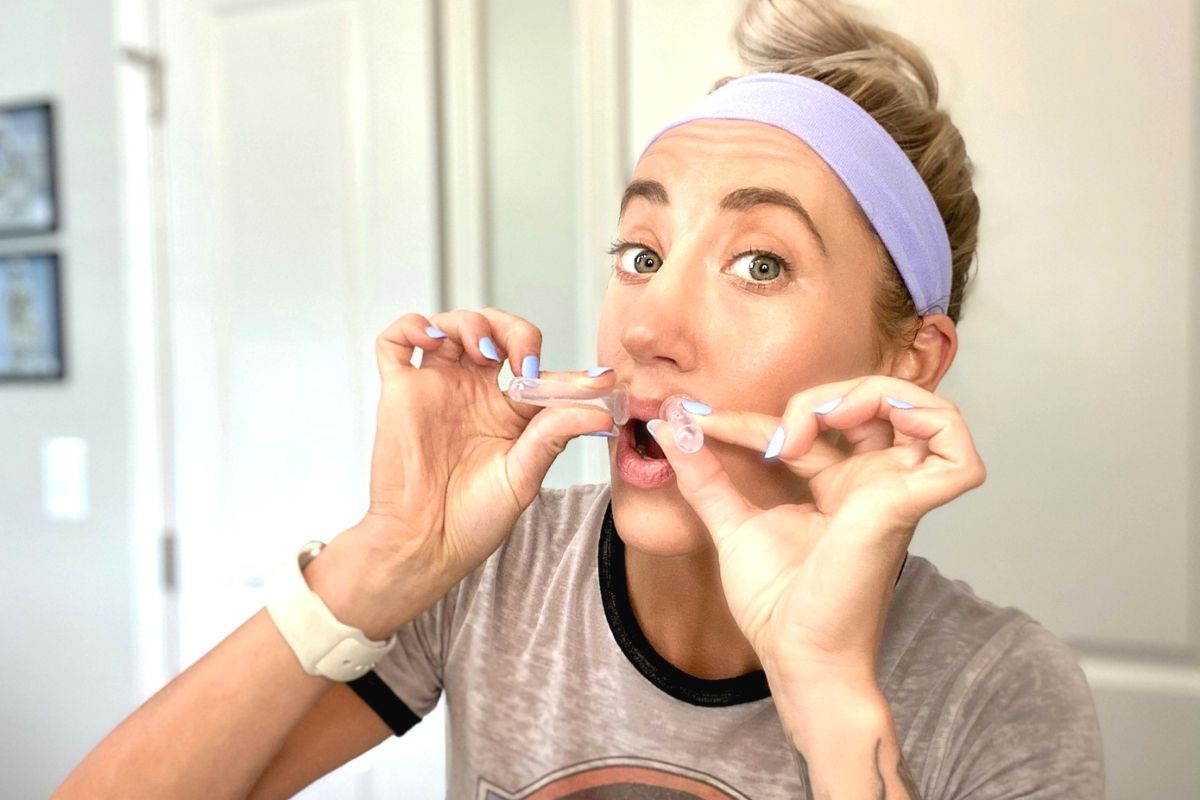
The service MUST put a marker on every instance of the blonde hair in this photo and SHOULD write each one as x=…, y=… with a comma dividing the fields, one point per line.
x=893, y=81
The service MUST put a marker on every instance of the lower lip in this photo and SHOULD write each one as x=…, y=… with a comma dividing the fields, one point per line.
x=636, y=470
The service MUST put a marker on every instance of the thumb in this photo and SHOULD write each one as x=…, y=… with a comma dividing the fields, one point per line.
x=543, y=440
x=704, y=484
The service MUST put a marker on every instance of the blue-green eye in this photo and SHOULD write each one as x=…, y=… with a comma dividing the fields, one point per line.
x=635, y=258
x=759, y=266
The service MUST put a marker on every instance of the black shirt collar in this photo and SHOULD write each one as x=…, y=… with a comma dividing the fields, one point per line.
x=614, y=594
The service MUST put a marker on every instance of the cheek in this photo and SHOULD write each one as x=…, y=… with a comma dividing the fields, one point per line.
x=758, y=368
x=608, y=330
x=786, y=351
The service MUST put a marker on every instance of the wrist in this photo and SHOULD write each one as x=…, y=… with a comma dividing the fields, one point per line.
x=829, y=708
x=795, y=673
x=369, y=586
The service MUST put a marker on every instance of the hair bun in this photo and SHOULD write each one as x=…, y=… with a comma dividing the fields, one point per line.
x=818, y=38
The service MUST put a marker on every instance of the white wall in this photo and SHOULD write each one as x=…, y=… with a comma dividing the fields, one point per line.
x=1078, y=362
x=532, y=191
x=68, y=672
x=1077, y=368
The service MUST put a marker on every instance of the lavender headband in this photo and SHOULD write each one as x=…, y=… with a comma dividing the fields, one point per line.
x=870, y=163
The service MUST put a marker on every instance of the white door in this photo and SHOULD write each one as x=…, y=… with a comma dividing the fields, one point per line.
x=301, y=218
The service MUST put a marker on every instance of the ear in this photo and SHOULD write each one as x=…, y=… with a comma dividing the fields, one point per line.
x=931, y=353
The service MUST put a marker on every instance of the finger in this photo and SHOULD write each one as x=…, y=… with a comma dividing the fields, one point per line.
x=520, y=338
x=395, y=345
x=577, y=378
x=801, y=450
x=953, y=465
x=874, y=434
x=473, y=331
x=543, y=440
x=705, y=485
x=755, y=430
x=867, y=400
x=581, y=376
x=449, y=352
x=951, y=448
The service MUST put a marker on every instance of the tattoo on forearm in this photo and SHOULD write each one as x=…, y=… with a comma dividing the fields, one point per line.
x=879, y=772
x=906, y=778
x=808, y=789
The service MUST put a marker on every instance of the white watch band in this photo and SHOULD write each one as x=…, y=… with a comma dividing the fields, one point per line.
x=323, y=645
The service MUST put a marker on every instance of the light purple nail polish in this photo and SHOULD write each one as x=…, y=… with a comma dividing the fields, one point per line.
x=609, y=434
x=436, y=333
x=775, y=445
x=531, y=366
x=488, y=348
x=594, y=372
x=825, y=408
x=894, y=403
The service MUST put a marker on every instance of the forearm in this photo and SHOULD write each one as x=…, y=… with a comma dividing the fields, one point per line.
x=213, y=730
x=845, y=743
x=216, y=728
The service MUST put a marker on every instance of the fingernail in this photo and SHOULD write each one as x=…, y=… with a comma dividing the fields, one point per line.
x=488, y=348
x=596, y=371
x=609, y=434
x=775, y=445
x=825, y=408
x=435, y=332
x=898, y=403
x=652, y=425
x=530, y=366
x=696, y=407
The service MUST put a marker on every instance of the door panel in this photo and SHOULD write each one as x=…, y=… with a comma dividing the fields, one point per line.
x=302, y=218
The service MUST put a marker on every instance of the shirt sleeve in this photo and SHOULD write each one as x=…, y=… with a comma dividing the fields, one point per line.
x=406, y=684
x=1028, y=729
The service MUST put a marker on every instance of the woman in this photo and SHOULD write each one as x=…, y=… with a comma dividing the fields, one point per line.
x=742, y=621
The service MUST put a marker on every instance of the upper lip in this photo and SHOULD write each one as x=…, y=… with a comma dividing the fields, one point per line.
x=646, y=407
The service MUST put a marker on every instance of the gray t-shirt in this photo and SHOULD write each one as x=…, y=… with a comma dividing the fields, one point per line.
x=552, y=690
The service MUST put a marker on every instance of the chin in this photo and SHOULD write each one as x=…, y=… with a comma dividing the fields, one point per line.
x=657, y=522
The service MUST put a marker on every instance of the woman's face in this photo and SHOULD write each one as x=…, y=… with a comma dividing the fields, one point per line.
x=724, y=293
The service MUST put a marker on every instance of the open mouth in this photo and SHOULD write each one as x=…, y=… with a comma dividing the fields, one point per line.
x=640, y=462
x=643, y=443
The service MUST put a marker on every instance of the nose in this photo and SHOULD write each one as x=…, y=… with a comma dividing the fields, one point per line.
x=659, y=325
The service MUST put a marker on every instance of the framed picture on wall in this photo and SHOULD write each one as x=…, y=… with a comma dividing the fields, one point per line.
x=28, y=193
x=31, y=346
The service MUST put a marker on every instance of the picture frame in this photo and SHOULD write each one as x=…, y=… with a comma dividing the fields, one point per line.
x=31, y=327
x=28, y=170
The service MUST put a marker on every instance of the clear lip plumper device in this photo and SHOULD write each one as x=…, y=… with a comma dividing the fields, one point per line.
x=688, y=436
x=539, y=392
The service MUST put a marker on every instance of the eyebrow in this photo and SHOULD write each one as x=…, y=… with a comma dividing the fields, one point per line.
x=743, y=199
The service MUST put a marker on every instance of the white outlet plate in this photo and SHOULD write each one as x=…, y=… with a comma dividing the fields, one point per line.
x=65, y=478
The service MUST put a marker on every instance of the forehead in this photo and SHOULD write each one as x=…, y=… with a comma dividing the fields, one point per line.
x=712, y=156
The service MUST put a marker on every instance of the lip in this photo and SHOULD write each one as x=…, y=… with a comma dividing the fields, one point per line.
x=646, y=407
x=634, y=469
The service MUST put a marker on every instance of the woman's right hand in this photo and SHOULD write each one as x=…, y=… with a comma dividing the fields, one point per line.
x=455, y=461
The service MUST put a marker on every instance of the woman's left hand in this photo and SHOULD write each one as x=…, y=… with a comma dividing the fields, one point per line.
x=809, y=584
